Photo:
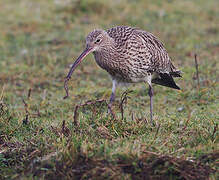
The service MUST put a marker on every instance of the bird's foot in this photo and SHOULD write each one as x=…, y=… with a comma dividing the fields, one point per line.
x=110, y=111
x=153, y=123
x=151, y=120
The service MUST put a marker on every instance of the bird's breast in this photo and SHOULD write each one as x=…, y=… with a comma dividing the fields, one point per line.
x=120, y=68
x=113, y=65
x=109, y=62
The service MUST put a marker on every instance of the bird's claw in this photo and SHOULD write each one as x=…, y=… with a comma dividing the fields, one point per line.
x=110, y=111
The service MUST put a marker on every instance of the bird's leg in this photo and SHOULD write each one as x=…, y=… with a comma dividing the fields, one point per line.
x=151, y=93
x=112, y=99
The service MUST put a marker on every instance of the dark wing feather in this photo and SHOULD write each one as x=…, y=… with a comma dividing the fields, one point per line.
x=165, y=79
x=160, y=60
x=121, y=34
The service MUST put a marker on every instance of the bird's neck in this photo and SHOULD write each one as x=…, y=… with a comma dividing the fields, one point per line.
x=107, y=49
x=105, y=56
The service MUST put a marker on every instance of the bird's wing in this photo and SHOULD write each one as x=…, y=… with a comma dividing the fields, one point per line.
x=142, y=50
x=121, y=34
x=159, y=60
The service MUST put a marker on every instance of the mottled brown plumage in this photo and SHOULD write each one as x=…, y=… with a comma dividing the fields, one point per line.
x=130, y=55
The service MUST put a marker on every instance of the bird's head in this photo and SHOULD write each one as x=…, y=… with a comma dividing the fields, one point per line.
x=95, y=41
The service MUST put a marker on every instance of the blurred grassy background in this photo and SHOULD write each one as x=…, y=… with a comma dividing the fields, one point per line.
x=38, y=42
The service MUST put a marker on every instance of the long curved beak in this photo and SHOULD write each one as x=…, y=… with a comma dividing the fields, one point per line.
x=74, y=66
x=78, y=61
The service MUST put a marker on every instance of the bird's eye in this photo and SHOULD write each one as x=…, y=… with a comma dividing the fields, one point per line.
x=98, y=40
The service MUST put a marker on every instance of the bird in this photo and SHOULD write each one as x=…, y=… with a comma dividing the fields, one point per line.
x=129, y=55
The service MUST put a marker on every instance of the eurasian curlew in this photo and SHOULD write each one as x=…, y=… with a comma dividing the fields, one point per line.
x=129, y=55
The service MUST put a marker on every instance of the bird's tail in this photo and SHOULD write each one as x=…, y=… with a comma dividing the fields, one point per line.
x=167, y=80
x=174, y=71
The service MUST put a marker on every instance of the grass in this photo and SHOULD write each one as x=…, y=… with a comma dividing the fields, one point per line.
x=39, y=137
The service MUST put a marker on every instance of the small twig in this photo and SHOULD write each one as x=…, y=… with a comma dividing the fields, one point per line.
x=215, y=130
x=2, y=93
x=124, y=98
x=65, y=131
x=76, y=115
x=187, y=121
x=132, y=115
x=63, y=125
x=197, y=72
x=85, y=104
x=150, y=152
x=25, y=121
x=25, y=104
x=29, y=93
